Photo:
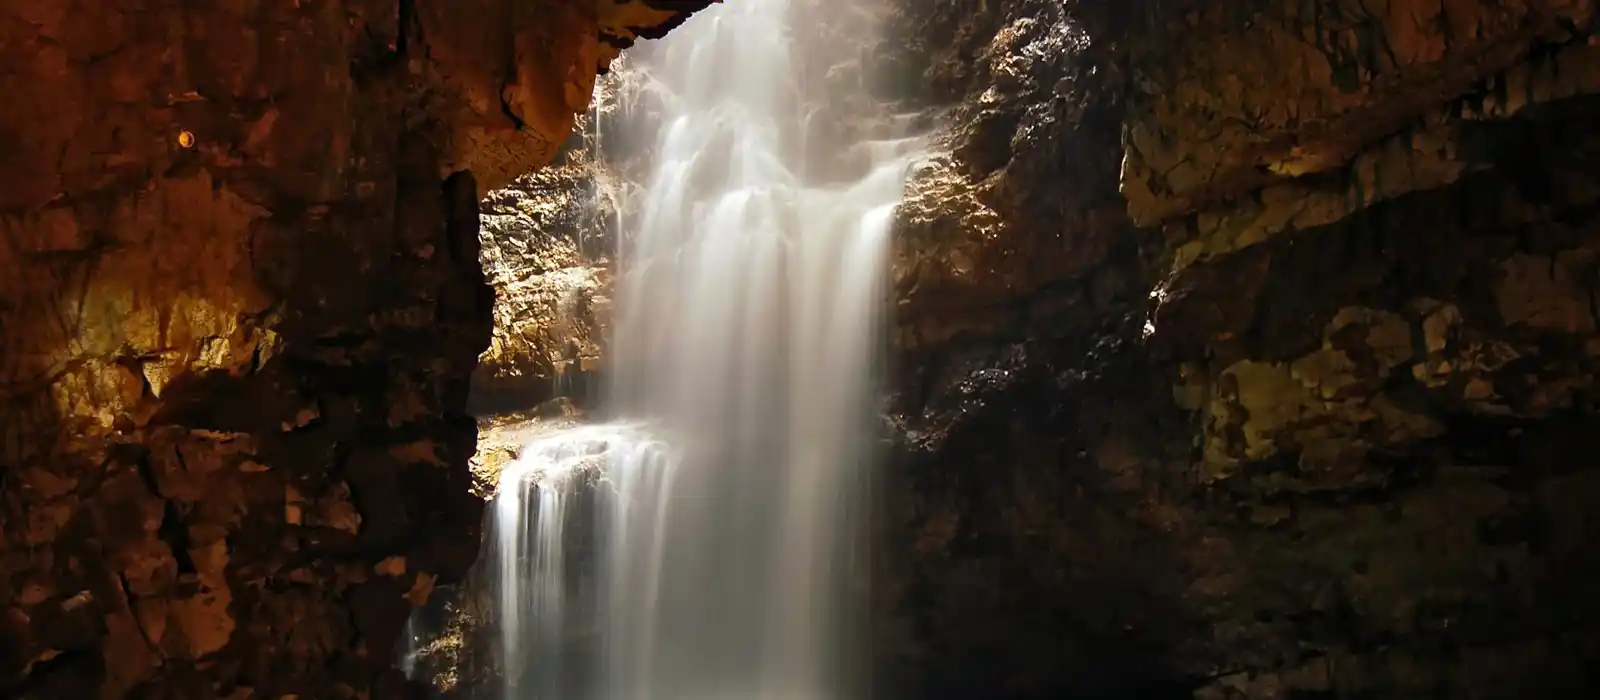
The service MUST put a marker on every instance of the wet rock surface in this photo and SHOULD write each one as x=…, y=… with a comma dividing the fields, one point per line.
x=545, y=254
x=1300, y=414
x=243, y=303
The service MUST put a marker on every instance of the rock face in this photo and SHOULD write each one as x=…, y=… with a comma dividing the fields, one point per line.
x=548, y=241
x=545, y=255
x=1248, y=351
x=243, y=303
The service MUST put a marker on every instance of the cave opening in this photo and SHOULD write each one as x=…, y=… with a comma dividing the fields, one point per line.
x=1227, y=351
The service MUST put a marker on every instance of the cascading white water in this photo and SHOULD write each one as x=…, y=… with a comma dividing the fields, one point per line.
x=724, y=517
x=613, y=473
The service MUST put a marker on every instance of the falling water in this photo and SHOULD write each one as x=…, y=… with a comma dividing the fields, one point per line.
x=612, y=473
x=713, y=557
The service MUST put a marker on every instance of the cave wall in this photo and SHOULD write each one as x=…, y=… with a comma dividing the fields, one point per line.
x=545, y=253
x=548, y=239
x=1248, y=350
x=1244, y=350
x=243, y=304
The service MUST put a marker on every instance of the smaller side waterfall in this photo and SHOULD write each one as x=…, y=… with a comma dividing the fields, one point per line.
x=558, y=503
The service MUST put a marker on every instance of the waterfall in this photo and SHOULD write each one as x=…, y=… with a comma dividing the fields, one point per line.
x=706, y=547
x=612, y=473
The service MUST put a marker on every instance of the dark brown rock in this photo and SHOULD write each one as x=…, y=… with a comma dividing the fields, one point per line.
x=1298, y=436
x=243, y=307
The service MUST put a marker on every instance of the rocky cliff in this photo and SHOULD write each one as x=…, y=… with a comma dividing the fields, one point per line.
x=1248, y=351
x=243, y=303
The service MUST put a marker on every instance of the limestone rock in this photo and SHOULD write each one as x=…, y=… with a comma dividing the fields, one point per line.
x=242, y=241
x=1245, y=342
x=548, y=264
x=1229, y=98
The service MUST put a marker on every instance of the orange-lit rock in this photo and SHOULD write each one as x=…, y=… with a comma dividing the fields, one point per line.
x=552, y=286
x=235, y=234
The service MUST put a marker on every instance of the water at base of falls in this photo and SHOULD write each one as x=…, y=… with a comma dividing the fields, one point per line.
x=712, y=548
x=561, y=523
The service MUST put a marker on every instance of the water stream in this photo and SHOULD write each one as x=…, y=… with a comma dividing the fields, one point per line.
x=708, y=545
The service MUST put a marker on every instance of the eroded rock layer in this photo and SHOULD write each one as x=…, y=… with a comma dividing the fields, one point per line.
x=1306, y=411
x=242, y=304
